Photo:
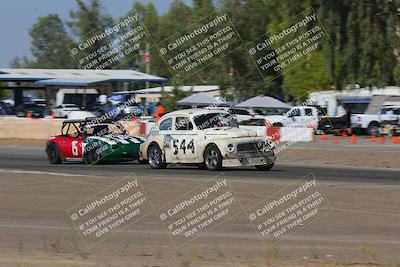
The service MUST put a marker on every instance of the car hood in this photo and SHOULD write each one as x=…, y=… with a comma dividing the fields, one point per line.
x=228, y=132
x=116, y=139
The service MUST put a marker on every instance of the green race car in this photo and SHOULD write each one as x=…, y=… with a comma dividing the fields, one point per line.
x=93, y=143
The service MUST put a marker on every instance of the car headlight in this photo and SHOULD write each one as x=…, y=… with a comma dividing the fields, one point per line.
x=231, y=148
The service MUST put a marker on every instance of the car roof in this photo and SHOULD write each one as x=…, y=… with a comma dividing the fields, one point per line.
x=194, y=112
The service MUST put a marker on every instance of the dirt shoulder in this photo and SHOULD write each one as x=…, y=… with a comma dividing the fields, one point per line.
x=340, y=157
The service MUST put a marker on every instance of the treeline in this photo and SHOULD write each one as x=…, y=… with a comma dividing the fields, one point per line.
x=365, y=46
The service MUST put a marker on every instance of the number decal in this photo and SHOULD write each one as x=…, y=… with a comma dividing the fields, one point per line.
x=74, y=148
x=190, y=146
x=175, y=146
x=182, y=146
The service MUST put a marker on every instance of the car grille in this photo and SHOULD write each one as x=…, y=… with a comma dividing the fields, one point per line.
x=247, y=147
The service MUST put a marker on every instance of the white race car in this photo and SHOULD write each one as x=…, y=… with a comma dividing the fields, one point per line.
x=210, y=139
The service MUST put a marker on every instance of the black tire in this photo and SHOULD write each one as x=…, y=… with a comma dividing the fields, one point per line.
x=52, y=154
x=212, y=158
x=154, y=154
x=266, y=167
x=373, y=128
x=92, y=156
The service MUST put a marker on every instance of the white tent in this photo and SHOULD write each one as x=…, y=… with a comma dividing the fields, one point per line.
x=200, y=99
x=76, y=77
x=262, y=102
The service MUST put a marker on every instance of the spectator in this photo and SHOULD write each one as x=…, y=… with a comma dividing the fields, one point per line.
x=160, y=111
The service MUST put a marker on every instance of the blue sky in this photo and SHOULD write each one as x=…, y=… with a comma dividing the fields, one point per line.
x=18, y=16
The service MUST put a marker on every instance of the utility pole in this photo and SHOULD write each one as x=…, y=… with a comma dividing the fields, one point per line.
x=146, y=58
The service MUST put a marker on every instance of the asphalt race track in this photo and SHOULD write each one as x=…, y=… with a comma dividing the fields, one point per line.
x=33, y=158
x=34, y=198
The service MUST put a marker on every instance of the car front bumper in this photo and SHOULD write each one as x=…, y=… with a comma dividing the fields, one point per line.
x=248, y=159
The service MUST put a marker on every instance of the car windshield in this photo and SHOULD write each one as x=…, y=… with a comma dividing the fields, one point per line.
x=214, y=120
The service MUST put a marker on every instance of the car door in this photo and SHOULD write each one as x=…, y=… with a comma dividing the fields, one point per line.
x=70, y=147
x=183, y=141
x=164, y=136
x=310, y=118
x=294, y=117
x=70, y=144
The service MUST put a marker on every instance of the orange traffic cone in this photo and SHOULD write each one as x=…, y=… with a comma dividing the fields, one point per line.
x=324, y=137
x=335, y=140
x=353, y=139
x=28, y=115
x=344, y=133
x=381, y=140
x=373, y=139
x=395, y=140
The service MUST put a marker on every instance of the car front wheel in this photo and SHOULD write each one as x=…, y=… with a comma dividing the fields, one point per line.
x=94, y=155
x=213, y=158
x=155, y=158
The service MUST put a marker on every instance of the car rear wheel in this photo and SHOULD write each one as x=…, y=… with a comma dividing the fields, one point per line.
x=265, y=167
x=373, y=128
x=213, y=158
x=154, y=155
x=52, y=154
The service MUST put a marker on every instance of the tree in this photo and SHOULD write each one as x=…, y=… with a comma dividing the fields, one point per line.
x=21, y=62
x=310, y=75
x=3, y=93
x=364, y=41
x=89, y=21
x=49, y=44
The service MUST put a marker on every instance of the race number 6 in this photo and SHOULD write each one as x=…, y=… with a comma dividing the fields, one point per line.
x=74, y=148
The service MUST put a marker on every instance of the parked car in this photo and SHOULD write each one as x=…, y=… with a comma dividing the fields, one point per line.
x=93, y=143
x=370, y=123
x=210, y=139
x=5, y=108
x=35, y=110
x=63, y=110
x=298, y=116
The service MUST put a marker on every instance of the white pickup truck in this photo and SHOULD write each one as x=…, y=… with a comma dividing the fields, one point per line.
x=298, y=116
x=371, y=122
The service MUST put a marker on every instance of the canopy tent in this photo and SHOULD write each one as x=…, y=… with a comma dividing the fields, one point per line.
x=69, y=78
x=76, y=77
x=200, y=99
x=262, y=102
x=184, y=88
